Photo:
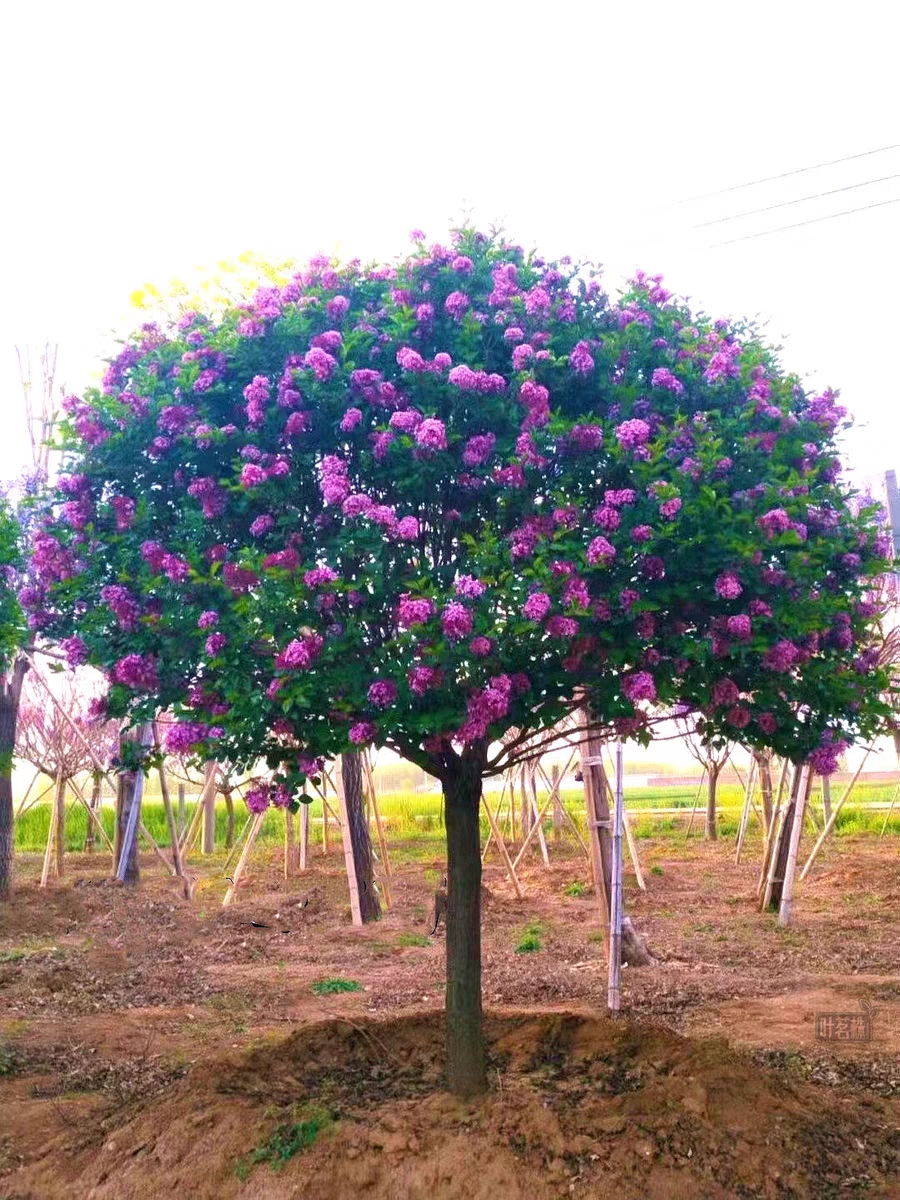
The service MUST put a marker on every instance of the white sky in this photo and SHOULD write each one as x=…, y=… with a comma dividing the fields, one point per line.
x=142, y=141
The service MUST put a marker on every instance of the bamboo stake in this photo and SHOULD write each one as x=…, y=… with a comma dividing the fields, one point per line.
x=835, y=813
x=532, y=832
x=38, y=798
x=382, y=840
x=349, y=862
x=889, y=811
x=304, y=835
x=787, y=887
x=696, y=802
x=629, y=838
x=51, y=835
x=197, y=815
x=21, y=807
x=745, y=811
x=237, y=842
x=95, y=817
x=771, y=832
x=170, y=815
x=245, y=855
x=288, y=843
x=496, y=815
x=566, y=814
x=510, y=869
x=614, y=988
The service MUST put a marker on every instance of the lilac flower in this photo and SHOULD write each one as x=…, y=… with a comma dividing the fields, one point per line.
x=739, y=627
x=480, y=646
x=662, y=377
x=725, y=692
x=215, y=644
x=357, y=505
x=300, y=653
x=431, y=434
x=412, y=612
x=382, y=693
x=320, y=362
x=456, y=621
x=586, y=438
x=607, y=518
x=406, y=421
x=208, y=619
x=351, y=419
x=410, y=360
x=773, y=522
x=639, y=686
x=561, y=627
x=781, y=656
x=633, y=433
x=728, y=586
x=536, y=606
x=767, y=723
x=457, y=305
x=600, y=551
x=420, y=679
x=137, y=672
x=262, y=525
x=619, y=497
x=580, y=360
x=670, y=508
x=462, y=264
x=319, y=576
x=75, y=650
x=363, y=732
x=407, y=529
x=478, y=449
x=252, y=475
x=469, y=587
x=739, y=717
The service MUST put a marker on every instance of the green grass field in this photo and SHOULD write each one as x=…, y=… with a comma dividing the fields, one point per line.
x=418, y=817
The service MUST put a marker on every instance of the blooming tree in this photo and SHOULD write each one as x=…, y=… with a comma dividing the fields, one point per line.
x=421, y=505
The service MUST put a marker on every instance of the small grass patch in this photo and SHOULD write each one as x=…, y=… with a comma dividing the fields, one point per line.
x=7, y=1062
x=656, y=869
x=334, y=986
x=576, y=889
x=11, y=956
x=413, y=939
x=286, y=1140
x=531, y=938
x=597, y=936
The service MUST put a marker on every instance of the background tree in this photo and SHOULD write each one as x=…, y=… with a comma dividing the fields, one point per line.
x=712, y=751
x=47, y=740
x=420, y=505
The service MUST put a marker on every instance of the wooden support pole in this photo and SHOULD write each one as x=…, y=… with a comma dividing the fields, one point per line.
x=51, y=834
x=533, y=831
x=566, y=814
x=93, y=815
x=889, y=811
x=182, y=813
x=304, y=836
x=382, y=840
x=830, y=823
x=496, y=819
x=170, y=814
x=787, y=890
x=209, y=807
x=745, y=811
x=290, y=844
x=21, y=807
x=238, y=842
x=696, y=803
x=557, y=803
x=614, y=978
x=629, y=836
x=504, y=853
x=197, y=815
x=349, y=862
x=245, y=856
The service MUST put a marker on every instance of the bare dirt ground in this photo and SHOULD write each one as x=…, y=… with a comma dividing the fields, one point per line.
x=150, y=1044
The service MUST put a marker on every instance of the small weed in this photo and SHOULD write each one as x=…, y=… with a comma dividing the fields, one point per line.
x=656, y=869
x=11, y=956
x=286, y=1140
x=702, y=927
x=530, y=940
x=597, y=935
x=335, y=985
x=576, y=889
x=413, y=939
x=7, y=1061
x=418, y=912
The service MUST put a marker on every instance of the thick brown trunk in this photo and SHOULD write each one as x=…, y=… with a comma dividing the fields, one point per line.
x=711, y=832
x=466, y=1063
x=351, y=774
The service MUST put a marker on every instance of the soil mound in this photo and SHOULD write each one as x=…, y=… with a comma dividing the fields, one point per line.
x=579, y=1105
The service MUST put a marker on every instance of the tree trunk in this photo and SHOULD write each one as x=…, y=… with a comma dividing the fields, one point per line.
x=229, y=825
x=712, y=782
x=90, y=835
x=8, y=714
x=182, y=811
x=351, y=774
x=525, y=808
x=826, y=796
x=124, y=802
x=466, y=1064
x=10, y=691
x=60, y=841
x=781, y=849
x=764, y=766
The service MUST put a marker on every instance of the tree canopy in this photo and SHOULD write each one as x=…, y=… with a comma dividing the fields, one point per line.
x=421, y=505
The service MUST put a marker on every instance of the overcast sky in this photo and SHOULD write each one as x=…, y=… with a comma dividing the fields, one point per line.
x=141, y=142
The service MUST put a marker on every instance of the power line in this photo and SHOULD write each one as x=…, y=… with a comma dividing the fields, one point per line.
x=736, y=187
x=750, y=212
x=812, y=221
